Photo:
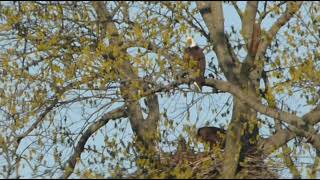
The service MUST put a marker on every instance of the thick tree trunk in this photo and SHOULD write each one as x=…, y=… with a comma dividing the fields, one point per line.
x=241, y=137
x=145, y=130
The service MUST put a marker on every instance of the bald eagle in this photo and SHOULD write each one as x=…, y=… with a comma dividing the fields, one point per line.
x=196, y=62
x=212, y=135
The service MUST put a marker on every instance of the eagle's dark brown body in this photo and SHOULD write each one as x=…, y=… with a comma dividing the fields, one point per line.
x=212, y=135
x=196, y=62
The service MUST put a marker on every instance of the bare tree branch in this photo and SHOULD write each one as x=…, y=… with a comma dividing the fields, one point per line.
x=296, y=124
x=38, y=121
x=53, y=102
x=282, y=136
x=292, y=8
x=254, y=103
x=248, y=20
x=234, y=3
x=212, y=14
x=266, y=12
x=289, y=163
x=72, y=161
x=286, y=152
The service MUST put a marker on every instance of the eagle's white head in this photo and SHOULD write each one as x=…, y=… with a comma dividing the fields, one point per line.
x=191, y=42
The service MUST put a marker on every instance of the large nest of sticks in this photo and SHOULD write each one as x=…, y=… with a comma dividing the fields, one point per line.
x=208, y=165
x=204, y=165
x=185, y=163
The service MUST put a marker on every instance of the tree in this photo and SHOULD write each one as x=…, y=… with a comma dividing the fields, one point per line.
x=73, y=74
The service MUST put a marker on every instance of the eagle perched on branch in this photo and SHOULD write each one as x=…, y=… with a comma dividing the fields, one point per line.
x=196, y=62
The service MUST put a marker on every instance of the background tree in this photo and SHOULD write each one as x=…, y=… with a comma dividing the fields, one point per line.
x=94, y=89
